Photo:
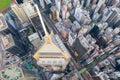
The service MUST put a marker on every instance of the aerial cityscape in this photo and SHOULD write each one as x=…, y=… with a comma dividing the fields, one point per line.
x=59, y=39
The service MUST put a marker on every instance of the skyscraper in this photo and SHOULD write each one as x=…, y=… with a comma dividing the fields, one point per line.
x=20, y=13
x=13, y=45
x=42, y=3
x=19, y=1
x=58, y=4
x=55, y=13
x=29, y=8
x=6, y=27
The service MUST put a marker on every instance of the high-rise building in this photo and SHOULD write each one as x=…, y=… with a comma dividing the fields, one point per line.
x=82, y=16
x=42, y=3
x=112, y=17
x=13, y=45
x=53, y=55
x=79, y=49
x=54, y=13
x=64, y=11
x=29, y=8
x=99, y=4
x=35, y=40
x=2, y=51
x=31, y=12
x=20, y=13
x=48, y=1
x=11, y=20
x=6, y=27
x=17, y=73
x=58, y=4
x=86, y=3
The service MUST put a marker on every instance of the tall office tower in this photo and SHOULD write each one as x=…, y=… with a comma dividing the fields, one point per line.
x=111, y=16
x=9, y=18
x=53, y=55
x=48, y=1
x=58, y=4
x=114, y=17
x=35, y=40
x=82, y=16
x=54, y=13
x=111, y=2
x=13, y=45
x=2, y=51
x=6, y=27
x=29, y=9
x=80, y=48
x=116, y=24
x=42, y=3
x=103, y=6
x=74, y=2
x=17, y=73
x=19, y=1
x=20, y=13
x=86, y=3
x=64, y=11
x=99, y=4
x=118, y=4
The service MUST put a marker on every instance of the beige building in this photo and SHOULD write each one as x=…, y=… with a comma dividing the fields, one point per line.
x=3, y=23
x=54, y=13
x=20, y=13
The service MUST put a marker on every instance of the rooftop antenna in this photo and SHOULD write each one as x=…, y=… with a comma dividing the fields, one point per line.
x=40, y=16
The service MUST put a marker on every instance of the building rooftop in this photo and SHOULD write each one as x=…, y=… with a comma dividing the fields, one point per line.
x=54, y=49
x=3, y=24
x=35, y=40
x=7, y=41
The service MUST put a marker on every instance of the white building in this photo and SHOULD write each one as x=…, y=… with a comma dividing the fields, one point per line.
x=64, y=11
x=29, y=8
x=42, y=3
x=82, y=16
x=58, y=4
x=35, y=40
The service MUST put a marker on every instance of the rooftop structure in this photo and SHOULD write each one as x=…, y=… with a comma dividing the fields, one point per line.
x=3, y=24
x=35, y=40
x=7, y=41
x=16, y=73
